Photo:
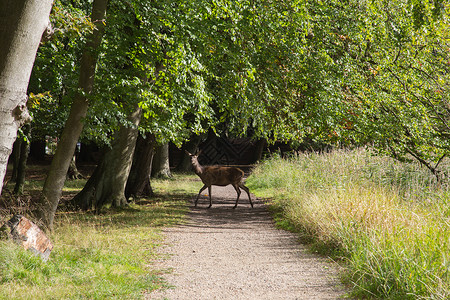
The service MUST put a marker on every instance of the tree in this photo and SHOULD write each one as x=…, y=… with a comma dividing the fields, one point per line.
x=22, y=24
x=161, y=166
x=107, y=184
x=151, y=67
x=344, y=73
x=51, y=193
x=279, y=70
x=393, y=76
x=55, y=75
x=410, y=85
x=176, y=100
x=23, y=146
x=138, y=183
x=73, y=172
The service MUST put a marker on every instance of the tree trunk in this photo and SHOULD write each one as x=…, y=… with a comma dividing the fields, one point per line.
x=107, y=184
x=22, y=23
x=161, y=167
x=15, y=158
x=138, y=184
x=52, y=190
x=24, y=147
x=190, y=146
x=261, y=145
x=73, y=172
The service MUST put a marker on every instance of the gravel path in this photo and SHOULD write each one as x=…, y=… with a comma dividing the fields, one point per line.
x=221, y=253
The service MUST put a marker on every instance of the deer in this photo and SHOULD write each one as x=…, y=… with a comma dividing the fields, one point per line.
x=218, y=175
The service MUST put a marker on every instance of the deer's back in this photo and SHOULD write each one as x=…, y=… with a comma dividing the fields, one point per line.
x=217, y=175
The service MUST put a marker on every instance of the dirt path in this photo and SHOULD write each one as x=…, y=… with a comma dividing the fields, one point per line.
x=221, y=253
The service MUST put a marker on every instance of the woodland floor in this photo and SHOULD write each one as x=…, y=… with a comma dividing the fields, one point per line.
x=11, y=204
x=225, y=253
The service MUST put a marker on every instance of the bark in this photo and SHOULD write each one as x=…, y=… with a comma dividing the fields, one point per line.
x=138, y=184
x=261, y=145
x=14, y=159
x=161, y=166
x=23, y=149
x=22, y=23
x=73, y=172
x=106, y=186
x=52, y=190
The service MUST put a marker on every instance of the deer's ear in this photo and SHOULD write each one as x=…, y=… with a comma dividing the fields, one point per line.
x=188, y=153
x=198, y=152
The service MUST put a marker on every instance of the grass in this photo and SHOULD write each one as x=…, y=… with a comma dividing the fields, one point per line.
x=105, y=256
x=389, y=222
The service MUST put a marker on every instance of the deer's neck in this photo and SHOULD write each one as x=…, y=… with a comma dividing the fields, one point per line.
x=198, y=169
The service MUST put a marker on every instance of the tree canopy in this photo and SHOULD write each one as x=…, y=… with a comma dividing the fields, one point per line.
x=344, y=72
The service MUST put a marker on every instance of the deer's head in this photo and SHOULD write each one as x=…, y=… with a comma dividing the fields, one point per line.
x=194, y=161
x=194, y=156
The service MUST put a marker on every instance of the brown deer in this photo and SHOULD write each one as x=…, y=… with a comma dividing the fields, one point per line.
x=219, y=175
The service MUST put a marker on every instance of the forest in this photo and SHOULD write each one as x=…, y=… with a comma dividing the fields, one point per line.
x=128, y=78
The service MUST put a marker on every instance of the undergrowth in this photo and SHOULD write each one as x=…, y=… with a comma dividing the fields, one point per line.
x=106, y=256
x=388, y=221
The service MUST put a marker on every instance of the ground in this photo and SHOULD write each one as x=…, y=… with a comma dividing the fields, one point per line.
x=225, y=253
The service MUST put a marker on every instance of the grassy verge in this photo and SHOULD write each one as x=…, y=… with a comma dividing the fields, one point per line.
x=105, y=256
x=390, y=222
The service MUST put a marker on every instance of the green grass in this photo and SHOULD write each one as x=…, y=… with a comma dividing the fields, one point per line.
x=389, y=222
x=105, y=256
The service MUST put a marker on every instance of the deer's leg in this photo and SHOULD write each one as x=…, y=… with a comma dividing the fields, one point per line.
x=248, y=193
x=201, y=190
x=209, y=193
x=238, y=191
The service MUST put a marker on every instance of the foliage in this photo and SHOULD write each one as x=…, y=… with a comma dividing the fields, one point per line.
x=254, y=52
x=337, y=72
x=145, y=62
x=55, y=72
x=393, y=63
x=388, y=221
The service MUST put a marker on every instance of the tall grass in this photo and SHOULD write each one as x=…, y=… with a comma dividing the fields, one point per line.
x=389, y=221
x=106, y=256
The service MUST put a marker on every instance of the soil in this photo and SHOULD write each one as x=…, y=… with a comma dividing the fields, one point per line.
x=225, y=253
